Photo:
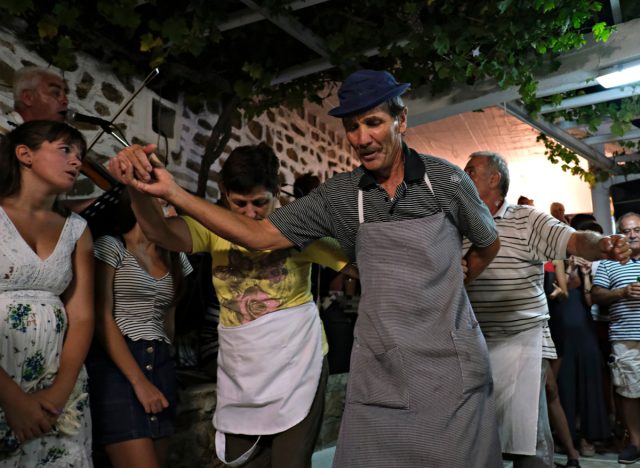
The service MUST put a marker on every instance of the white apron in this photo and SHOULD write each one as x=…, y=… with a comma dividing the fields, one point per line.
x=268, y=374
x=516, y=362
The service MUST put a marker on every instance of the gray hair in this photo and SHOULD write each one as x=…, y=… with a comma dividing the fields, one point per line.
x=497, y=163
x=28, y=78
x=395, y=105
x=623, y=217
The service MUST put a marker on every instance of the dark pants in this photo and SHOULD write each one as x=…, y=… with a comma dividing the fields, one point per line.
x=292, y=448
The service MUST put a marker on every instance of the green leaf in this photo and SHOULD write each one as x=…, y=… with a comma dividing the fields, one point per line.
x=148, y=42
x=243, y=89
x=503, y=5
x=48, y=27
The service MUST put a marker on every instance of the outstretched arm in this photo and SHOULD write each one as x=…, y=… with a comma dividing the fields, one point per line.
x=133, y=167
x=169, y=233
x=592, y=246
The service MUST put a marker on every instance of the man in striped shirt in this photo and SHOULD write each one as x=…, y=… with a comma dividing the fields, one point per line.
x=510, y=304
x=618, y=286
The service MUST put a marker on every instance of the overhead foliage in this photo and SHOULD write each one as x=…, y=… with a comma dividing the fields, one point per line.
x=435, y=42
x=438, y=43
x=619, y=115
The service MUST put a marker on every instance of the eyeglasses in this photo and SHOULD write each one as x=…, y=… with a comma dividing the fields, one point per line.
x=628, y=231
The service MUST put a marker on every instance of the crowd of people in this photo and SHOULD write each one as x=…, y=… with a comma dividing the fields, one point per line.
x=454, y=360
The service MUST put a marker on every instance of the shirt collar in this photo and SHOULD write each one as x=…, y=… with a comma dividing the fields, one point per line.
x=502, y=210
x=14, y=118
x=413, y=169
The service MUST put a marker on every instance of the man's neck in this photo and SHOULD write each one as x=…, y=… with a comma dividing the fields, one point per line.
x=390, y=178
x=494, y=202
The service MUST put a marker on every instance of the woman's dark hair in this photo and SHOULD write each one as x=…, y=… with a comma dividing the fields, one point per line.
x=248, y=167
x=124, y=220
x=591, y=226
x=580, y=219
x=31, y=134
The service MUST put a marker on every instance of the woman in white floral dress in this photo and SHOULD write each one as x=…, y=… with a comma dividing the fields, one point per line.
x=46, y=301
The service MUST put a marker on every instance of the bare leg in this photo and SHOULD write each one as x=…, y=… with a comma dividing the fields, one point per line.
x=137, y=452
x=557, y=418
x=161, y=446
x=631, y=410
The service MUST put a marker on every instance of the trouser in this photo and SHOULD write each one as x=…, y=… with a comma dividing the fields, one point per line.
x=292, y=448
x=544, y=441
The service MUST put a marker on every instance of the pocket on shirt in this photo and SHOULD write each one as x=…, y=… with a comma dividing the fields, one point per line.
x=473, y=357
x=378, y=379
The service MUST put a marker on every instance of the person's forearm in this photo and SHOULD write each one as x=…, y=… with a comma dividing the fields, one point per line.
x=561, y=276
x=154, y=224
x=116, y=347
x=585, y=244
x=8, y=388
x=478, y=258
x=74, y=351
x=237, y=228
x=605, y=297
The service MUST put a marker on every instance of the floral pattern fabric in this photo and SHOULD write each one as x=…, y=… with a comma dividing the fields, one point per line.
x=250, y=284
x=33, y=323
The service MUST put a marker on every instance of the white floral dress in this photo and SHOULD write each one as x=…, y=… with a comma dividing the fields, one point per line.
x=32, y=329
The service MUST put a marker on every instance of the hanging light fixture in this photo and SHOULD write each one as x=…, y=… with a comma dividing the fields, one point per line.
x=619, y=75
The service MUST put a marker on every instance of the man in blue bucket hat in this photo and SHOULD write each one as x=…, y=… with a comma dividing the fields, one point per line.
x=420, y=389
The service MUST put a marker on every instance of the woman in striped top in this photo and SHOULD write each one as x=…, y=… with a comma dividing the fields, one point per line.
x=131, y=368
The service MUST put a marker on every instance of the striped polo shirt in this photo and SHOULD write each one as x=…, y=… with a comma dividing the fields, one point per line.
x=140, y=301
x=624, y=314
x=331, y=210
x=508, y=296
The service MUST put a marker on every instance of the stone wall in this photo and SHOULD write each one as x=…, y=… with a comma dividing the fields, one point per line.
x=305, y=140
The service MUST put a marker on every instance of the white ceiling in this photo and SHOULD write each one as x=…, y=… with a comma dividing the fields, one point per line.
x=494, y=129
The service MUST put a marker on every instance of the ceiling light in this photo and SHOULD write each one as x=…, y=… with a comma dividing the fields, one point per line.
x=620, y=75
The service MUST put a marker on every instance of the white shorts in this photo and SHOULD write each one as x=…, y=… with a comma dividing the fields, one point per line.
x=625, y=368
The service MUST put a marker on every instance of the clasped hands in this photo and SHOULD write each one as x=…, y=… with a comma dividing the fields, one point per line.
x=138, y=167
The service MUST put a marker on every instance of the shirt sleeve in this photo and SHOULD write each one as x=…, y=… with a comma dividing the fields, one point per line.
x=187, y=269
x=306, y=219
x=548, y=237
x=602, y=278
x=326, y=252
x=470, y=213
x=108, y=250
x=201, y=238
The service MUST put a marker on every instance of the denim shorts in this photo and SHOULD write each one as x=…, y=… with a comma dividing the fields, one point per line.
x=117, y=414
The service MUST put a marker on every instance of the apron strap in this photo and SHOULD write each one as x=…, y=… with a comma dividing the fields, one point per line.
x=242, y=459
x=361, y=198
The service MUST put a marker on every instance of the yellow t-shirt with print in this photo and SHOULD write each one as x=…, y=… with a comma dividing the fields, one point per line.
x=251, y=283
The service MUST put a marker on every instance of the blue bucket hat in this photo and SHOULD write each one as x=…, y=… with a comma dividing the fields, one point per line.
x=364, y=90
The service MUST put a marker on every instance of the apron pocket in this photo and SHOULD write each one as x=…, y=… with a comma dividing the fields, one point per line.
x=378, y=379
x=473, y=357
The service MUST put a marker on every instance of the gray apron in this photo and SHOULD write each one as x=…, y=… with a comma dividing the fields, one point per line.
x=420, y=388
